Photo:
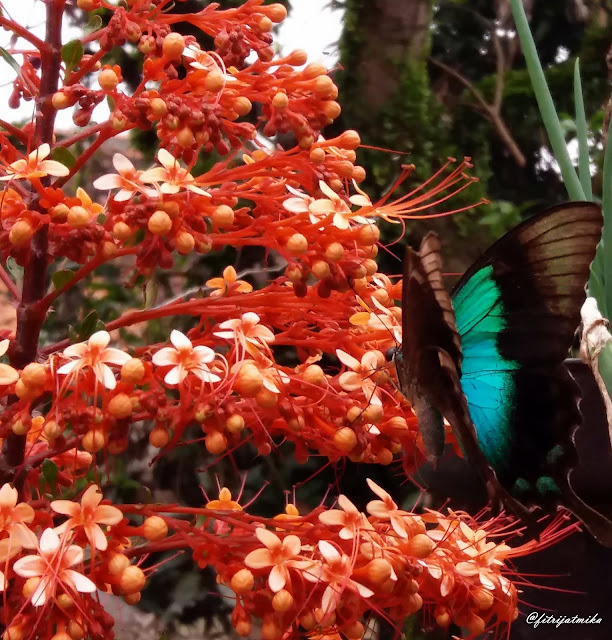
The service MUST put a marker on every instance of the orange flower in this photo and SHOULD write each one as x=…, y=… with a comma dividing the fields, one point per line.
x=361, y=375
x=246, y=332
x=225, y=502
x=14, y=518
x=228, y=283
x=350, y=519
x=172, y=176
x=52, y=566
x=89, y=515
x=35, y=166
x=386, y=509
x=7, y=551
x=127, y=180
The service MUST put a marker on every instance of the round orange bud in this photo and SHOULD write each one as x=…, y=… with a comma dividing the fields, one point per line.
x=379, y=570
x=214, y=81
x=109, y=249
x=20, y=233
x=75, y=631
x=120, y=406
x=243, y=628
x=370, y=252
x=280, y=100
x=270, y=629
x=215, y=443
x=235, y=423
x=61, y=635
x=24, y=392
x=314, y=70
x=320, y=269
x=265, y=24
x=266, y=399
x=476, y=625
x=59, y=213
x=65, y=601
x=158, y=107
x=317, y=155
x=384, y=456
x=52, y=430
x=93, y=441
x=132, y=579
x=350, y=139
x=159, y=223
x=34, y=375
x=14, y=632
x=118, y=564
x=276, y=12
x=108, y=80
x=249, y=381
x=242, y=581
x=282, y=601
x=121, y=231
x=397, y=423
x=370, y=266
x=334, y=252
x=173, y=46
x=322, y=85
x=305, y=142
x=308, y=620
x=264, y=449
x=354, y=413
x=483, y=597
x=132, y=598
x=297, y=244
x=345, y=439
x=420, y=546
x=30, y=586
x=297, y=58
x=359, y=174
x=60, y=100
x=185, y=137
x=86, y=5
x=155, y=529
x=78, y=217
x=185, y=242
x=223, y=216
x=373, y=413
x=133, y=371
x=332, y=110
x=442, y=617
x=20, y=428
x=313, y=374
x=294, y=273
x=242, y=106
x=159, y=437
x=172, y=208
x=368, y=234
x=354, y=630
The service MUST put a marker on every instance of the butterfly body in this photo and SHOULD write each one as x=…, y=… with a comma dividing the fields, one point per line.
x=489, y=358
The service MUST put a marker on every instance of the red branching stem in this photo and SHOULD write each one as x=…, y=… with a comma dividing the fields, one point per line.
x=85, y=133
x=103, y=136
x=30, y=317
x=10, y=285
x=20, y=30
x=14, y=131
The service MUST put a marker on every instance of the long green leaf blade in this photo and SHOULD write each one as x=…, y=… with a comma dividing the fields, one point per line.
x=584, y=162
x=606, y=244
x=545, y=103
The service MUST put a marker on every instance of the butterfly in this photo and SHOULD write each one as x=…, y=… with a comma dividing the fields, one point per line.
x=489, y=358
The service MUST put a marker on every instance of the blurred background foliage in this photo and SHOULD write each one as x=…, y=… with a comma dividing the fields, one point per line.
x=428, y=80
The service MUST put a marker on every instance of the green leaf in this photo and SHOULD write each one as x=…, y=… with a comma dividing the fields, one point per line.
x=605, y=247
x=545, y=103
x=90, y=324
x=72, y=52
x=150, y=293
x=9, y=58
x=584, y=161
x=63, y=155
x=604, y=364
x=14, y=269
x=95, y=22
x=49, y=472
x=62, y=278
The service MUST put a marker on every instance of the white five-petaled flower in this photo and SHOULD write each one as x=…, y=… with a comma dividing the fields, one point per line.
x=52, y=566
x=184, y=359
x=246, y=331
x=350, y=518
x=319, y=208
x=172, y=176
x=35, y=166
x=361, y=375
x=206, y=61
x=95, y=353
x=127, y=180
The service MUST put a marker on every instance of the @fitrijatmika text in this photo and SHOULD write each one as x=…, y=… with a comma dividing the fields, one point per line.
x=535, y=619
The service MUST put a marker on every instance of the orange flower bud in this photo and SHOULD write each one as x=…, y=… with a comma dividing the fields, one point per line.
x=52, y=430
x=65, y=601
x=14, y=632
x=60, y=100
x=334, y=252
x=354, y=630
x=282, y=601
x=266, y=398
x=332, y=110
x=235, y=423
x=75, y=631
x=314, y=70
x=242, y=105
x=34, y=375
x=159, y=108
x=265, y=24
x=78, y=217
x=297, y=244
x=155, y=529
x=118, y=564
x=373, y=413
x=132, y=598
x=313, y=374
x=305, y=142
x=30, y=586
x=159, y=223
x=368, y=234
x=223, y=216
x=121, y=231
x=476, y=625
x=24, y=392
x=349, y=139
x=483, y=597
x=354, y=413
x=132, y=579
x=280, y=100
x=108, y=80
x=297, y=58
x=320, y=269
x=379, y=570
x=322, y=85
x=61, y=635
x=345, y=439
x=370, y=266
x=276, y=12
x=185, y=137
x=294, y=273
x=443, y=618
x=420, y=546
x=185, y=242
x=242, y=581
x=173, y=46
x=214, y=81
x=86, y=5
x=243, y=628
x=93, y=441
x=133, y=371
x=159, y=437
x=20, y=233
x=384, y=456
x=249, y=381
x=120, y=406
x=359, y=174
x=317, y=155
x=270, y=630
x=215, y=443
